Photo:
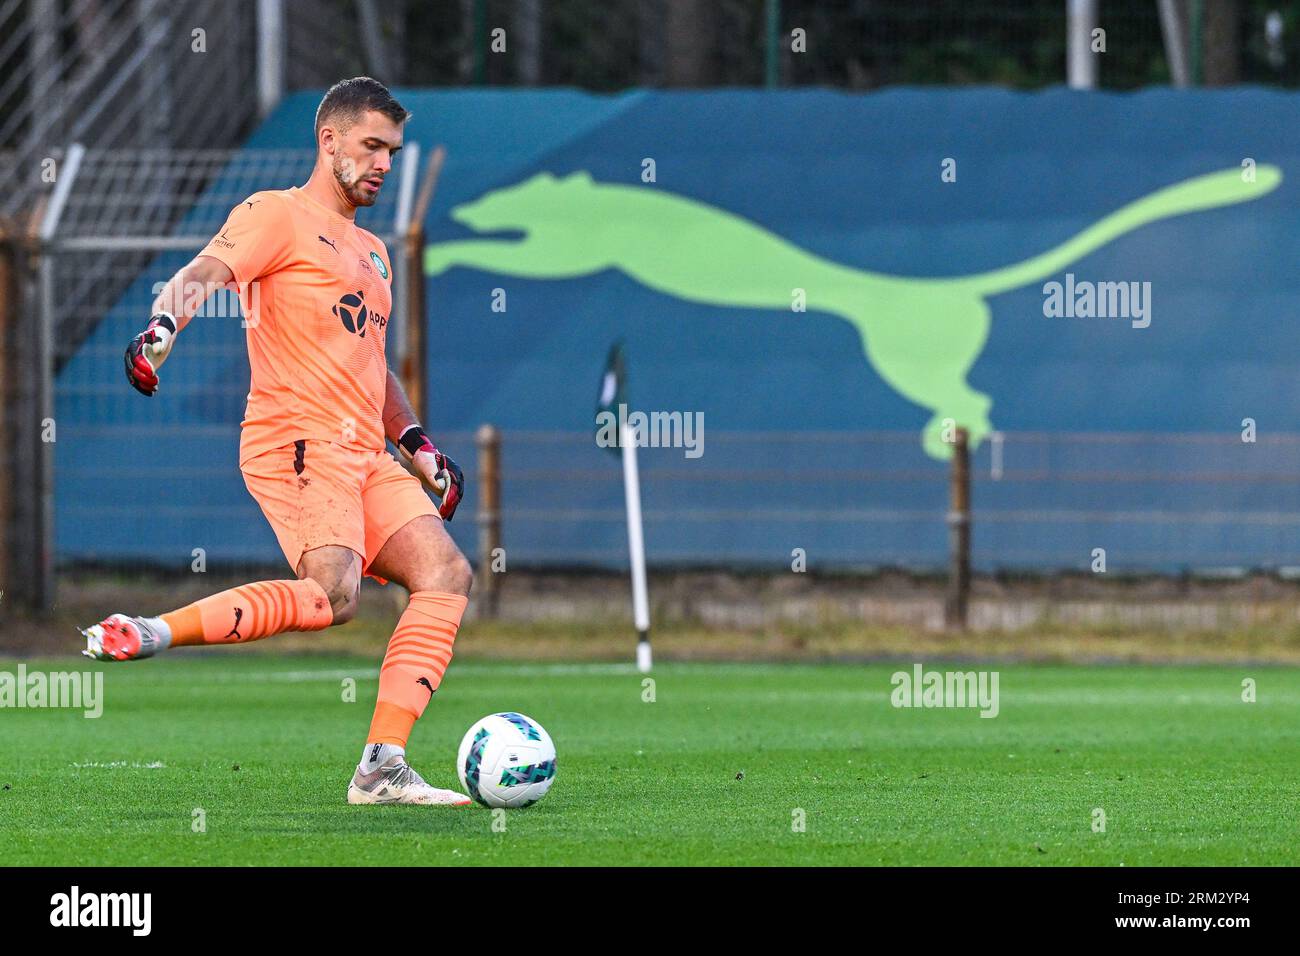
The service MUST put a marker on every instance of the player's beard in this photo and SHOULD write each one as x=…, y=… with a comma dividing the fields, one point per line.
x=350, y=183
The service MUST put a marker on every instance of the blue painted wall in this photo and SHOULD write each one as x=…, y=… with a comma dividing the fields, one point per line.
x=855, y=179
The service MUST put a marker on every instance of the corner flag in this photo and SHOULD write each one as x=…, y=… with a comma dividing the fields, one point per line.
x=612, y=397
x=613, y=388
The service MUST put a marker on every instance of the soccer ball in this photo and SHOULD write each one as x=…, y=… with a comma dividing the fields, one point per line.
x=506, y=760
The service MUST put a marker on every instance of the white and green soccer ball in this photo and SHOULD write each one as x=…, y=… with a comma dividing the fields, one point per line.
x=506, y=760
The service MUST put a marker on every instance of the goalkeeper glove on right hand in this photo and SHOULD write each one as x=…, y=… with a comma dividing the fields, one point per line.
x=147, y=352
x=438, y=470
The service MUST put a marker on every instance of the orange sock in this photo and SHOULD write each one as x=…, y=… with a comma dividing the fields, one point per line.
x=417, y=657
x=251, y=612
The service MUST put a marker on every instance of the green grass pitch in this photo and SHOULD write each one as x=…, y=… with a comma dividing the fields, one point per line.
x=716, y=770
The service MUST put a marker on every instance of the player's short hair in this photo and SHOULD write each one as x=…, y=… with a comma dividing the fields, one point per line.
x=348, y=100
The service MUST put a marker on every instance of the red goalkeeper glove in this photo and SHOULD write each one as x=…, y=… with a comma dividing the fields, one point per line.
x=147, y=352
x=438, y=470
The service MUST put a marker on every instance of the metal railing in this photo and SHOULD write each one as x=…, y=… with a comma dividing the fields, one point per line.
x=116, y=73
x=83, y=276
x=80, y=282
x=1043, y=502
x=855, y=500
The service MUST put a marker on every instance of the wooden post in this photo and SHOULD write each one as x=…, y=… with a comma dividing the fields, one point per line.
x=959, y=534
x=23, y=542
x=8, y=453
x=414, y=363
x=488, y=440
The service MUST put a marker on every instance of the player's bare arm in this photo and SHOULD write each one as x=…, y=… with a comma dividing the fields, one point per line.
x=402, y=428
x=177, y=303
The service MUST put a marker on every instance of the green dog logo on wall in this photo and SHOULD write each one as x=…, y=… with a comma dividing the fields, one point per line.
x=921, y=335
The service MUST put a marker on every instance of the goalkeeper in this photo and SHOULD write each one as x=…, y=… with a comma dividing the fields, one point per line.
x=315, y=290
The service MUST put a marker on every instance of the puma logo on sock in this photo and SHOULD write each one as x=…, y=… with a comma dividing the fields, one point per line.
x=234, y=631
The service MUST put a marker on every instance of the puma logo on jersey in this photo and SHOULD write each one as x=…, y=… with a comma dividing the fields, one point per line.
x=329, y=243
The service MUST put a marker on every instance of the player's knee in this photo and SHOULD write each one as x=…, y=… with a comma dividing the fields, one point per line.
x=451, y=576
x=345, y=608
x=461, y=573
x=344, y=592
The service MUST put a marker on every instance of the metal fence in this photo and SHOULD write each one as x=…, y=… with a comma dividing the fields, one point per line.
x=198, y=74
x=852, y=44
x=89, y=232
x=165, y=469
x=83, y=277
x=113, y=73
x=1042, y=502
x=84, y=457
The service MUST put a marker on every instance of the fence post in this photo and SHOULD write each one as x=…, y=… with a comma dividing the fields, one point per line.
x=772, y=44
x=25, y=584
x=413, y=363
x=8, y=451
x=488, y=440
x=959, y=534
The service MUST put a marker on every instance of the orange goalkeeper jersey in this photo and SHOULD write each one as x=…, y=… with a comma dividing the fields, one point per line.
x=316, y=294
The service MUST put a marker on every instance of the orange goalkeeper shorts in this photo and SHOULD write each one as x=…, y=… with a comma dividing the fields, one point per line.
x=316, y=493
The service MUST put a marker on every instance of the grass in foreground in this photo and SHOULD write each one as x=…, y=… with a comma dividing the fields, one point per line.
x=714, y=771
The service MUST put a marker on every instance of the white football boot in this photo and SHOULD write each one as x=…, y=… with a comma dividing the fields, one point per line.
x=396, y=782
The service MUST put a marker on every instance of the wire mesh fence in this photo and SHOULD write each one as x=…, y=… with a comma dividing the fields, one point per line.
x=192, y=74
x=183, y=74
x=119, y=225
x=131, y=220
x=127, y=220
x=117, y=73
x=852, y=44
x=186, y=73
x=1042, y=502
x=133, y=217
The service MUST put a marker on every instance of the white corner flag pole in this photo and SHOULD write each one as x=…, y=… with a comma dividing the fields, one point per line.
x=636, y=548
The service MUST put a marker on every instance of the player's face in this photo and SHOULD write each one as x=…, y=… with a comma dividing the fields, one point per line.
x=363, y=156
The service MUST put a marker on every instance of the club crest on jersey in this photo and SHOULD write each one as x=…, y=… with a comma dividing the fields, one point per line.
x=352, y=312
x=379, y=264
